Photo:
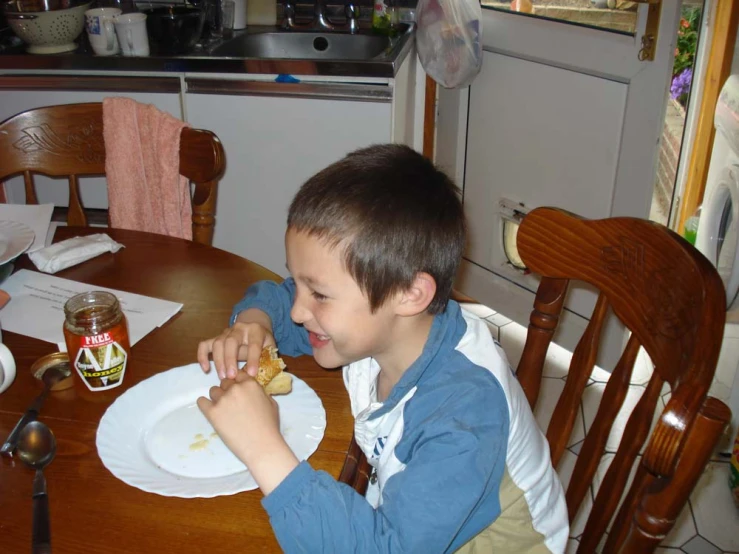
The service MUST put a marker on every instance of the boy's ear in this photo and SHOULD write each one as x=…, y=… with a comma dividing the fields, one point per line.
x=418, y=296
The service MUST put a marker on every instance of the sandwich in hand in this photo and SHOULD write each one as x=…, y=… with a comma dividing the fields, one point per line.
x=271, y=375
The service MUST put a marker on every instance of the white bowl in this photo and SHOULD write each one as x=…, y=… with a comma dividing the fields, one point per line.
x=49, y=31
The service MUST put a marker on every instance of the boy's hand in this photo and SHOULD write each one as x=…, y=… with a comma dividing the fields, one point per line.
x=251, y=332
x=247, y=420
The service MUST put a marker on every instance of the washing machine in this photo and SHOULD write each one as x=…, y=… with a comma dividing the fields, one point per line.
x=718, y=239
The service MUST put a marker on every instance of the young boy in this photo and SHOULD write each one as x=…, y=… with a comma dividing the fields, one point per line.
x=373, y=245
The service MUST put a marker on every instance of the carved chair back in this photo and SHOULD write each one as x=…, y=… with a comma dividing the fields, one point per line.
x=672, y=301
x=67, y=141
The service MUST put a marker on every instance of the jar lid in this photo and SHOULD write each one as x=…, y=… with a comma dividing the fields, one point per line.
x=40, y=366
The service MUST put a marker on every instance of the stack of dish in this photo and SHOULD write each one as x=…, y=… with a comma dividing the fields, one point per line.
x=47, y=26
x=15, y=239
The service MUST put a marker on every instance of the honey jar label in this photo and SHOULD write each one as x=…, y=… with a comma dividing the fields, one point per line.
x=100, y=361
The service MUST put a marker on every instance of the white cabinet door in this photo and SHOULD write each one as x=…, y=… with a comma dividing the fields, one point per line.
x=273, y=144
x=93, y=190
x=560, y=115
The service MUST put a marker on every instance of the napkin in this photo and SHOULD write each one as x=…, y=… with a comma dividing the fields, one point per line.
x=72, y=251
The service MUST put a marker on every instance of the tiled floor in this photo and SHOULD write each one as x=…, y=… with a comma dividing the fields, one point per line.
x=710, y=522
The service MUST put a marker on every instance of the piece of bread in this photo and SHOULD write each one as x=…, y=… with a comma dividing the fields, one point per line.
x=271, y=375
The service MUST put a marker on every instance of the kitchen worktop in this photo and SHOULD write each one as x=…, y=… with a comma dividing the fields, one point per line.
x=280, y=121
x=14, y=58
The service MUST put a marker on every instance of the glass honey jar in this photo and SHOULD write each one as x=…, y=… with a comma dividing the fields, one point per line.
x=96, y=334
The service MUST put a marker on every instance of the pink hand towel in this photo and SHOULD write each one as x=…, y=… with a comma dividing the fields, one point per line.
x=142, y=161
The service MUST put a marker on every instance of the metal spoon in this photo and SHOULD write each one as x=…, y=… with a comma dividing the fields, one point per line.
x=50, y=377
x=36, y=448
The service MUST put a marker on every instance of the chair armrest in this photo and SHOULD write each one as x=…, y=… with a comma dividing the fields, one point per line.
x=673, y=427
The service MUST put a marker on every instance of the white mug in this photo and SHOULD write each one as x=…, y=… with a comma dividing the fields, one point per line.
x=7, y=368
x=131, y=30
x=101, y=30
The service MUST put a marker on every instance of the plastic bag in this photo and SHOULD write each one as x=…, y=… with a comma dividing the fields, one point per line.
x=449, y=40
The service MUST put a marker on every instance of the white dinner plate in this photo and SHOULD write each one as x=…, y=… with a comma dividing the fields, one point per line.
x=15, y=238
x=155, y=438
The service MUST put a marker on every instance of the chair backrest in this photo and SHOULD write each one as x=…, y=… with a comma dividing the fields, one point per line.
x=672, y=300
x=67, y=140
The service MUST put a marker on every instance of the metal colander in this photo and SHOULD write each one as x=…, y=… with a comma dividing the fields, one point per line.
x=47, y=26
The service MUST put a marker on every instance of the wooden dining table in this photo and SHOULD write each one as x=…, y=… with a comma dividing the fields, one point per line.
x=92, y=511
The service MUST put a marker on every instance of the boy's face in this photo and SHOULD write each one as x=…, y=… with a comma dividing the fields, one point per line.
x=332, y=307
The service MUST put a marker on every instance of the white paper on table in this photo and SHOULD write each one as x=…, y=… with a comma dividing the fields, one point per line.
x=37, y=218
x=36, y=308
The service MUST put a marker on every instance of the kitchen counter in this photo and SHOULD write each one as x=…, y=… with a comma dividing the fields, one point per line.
x=14, y=59
x=277, y=131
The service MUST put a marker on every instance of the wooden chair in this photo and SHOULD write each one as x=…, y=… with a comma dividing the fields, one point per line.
x=67, y=140
x=672, y=300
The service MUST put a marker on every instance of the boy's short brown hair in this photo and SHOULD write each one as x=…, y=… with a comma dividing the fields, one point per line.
x=393, y=213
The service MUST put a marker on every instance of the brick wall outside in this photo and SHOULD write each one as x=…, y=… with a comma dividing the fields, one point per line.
x=669, y=154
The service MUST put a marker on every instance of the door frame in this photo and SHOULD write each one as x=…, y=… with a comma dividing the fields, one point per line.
x=722, y=33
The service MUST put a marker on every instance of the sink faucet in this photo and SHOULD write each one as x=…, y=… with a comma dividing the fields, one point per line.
x=319, y=15
x=320, y=21
x=352, y=17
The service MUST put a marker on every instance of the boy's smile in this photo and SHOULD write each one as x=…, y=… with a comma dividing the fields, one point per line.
x=317, y=341
x=334, y=310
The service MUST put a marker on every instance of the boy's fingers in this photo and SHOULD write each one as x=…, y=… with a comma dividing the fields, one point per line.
x=225, y=385
x=230, y=353
x=205, y=406
x=243, y=376
x=217, y=355
x=234, y=344
x=243, y=353
x=215, y=393
x=204, y=349
x=253, y=352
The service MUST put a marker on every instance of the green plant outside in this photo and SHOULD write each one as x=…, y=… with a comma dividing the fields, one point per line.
x=687, y=44
x=687, y=38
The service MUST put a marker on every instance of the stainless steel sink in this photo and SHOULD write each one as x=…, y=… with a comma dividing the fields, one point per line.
x=306, y=45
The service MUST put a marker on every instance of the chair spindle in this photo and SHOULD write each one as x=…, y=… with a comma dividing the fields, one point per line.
x=543, y=322
x=581, y=366
x=614, y=482
x=597, y=437
x=30, y=188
